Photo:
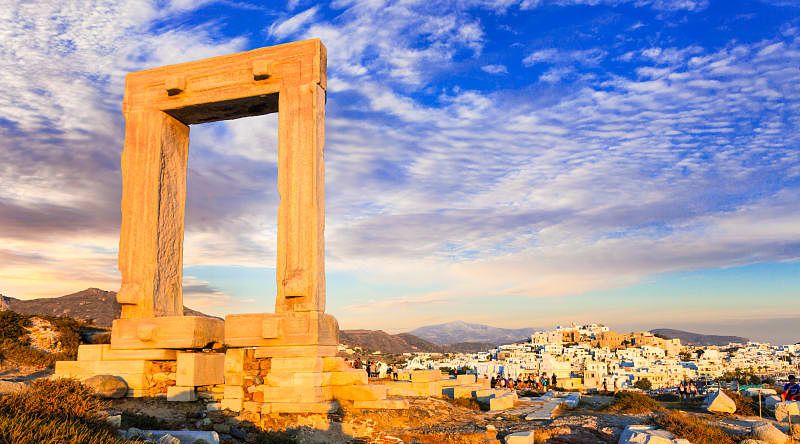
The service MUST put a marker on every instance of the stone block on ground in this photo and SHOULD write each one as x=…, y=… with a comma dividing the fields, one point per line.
x=107, y=386
x=719, y=402
x=426, y=375
x=469, y=379
x=413, y=389
x=461, y=391
x=520, y=438
x=645, y=434
x=181, y=394
x=503, y=402
x=196, y=369
x=178, y=332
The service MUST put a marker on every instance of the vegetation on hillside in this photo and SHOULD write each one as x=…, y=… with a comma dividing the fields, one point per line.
x=54, y=411
x=15, y=344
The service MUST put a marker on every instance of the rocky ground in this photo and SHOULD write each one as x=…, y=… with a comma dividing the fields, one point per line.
x=429, y=420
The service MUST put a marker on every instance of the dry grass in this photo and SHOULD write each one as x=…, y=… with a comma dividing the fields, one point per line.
x=696, y=430
x=634, y=403
x=54, y=411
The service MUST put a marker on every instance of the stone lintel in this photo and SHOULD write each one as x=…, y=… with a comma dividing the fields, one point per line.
x=251, y=74
x=178, y=332
x=310, y=328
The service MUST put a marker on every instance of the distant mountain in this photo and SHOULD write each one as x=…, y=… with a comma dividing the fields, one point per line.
x=689, y=338
x=91, y=305
x=460, y=331
x=379, y=340
x=470, y=347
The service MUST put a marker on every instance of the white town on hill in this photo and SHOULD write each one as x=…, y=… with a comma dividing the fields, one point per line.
x=586, y=357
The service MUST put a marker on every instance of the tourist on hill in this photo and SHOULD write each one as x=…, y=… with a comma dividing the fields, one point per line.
x=554, y=380
x=545, y=381
x=493, y=382
x=605, y=385
x=791, y=390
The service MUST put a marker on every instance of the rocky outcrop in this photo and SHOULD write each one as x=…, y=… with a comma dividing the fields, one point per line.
x=768, y=433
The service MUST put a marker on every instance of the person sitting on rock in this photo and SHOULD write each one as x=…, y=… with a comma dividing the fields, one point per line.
x=791, y=390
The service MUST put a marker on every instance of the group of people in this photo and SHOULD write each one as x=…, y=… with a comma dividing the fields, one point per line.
x=374, y=369
x=527, y=382
x=687, y=389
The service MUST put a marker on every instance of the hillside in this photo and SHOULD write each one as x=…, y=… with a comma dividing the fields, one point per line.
x=689, y=338
x=459, y=331
x=91, y=305
x=379, y=340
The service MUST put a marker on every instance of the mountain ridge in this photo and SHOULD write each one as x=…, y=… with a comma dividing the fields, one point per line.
x=464, y=332
x=93, y=305
x=691, y=338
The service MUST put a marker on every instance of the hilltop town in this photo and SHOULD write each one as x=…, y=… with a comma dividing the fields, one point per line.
x=586, y=357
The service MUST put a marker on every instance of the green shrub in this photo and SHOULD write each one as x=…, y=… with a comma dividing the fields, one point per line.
x=12, y=325
x=633, y=403
x=643, y=384
x=53, y=412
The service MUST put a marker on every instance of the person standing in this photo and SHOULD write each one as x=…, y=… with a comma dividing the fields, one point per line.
x=554, y=380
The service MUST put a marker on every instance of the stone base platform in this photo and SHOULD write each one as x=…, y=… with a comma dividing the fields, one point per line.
x=147, y=372
x=267, y=380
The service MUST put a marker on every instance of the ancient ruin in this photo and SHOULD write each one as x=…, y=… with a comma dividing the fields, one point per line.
x=261, y=363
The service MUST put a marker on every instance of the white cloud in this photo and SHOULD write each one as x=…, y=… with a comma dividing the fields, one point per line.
x=293, y=24
x=494, y=69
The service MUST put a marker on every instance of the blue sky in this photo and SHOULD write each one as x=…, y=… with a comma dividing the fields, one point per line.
x=516, y=163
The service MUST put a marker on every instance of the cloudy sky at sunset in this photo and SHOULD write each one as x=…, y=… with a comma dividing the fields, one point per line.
x=514, y=163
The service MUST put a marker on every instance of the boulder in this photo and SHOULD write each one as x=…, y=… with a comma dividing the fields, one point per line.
x=771, y=401
x=107, y=386
x=719, y=402
x=644, y=434
x=9, y=387
x=785, y=409
x=768, y=433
